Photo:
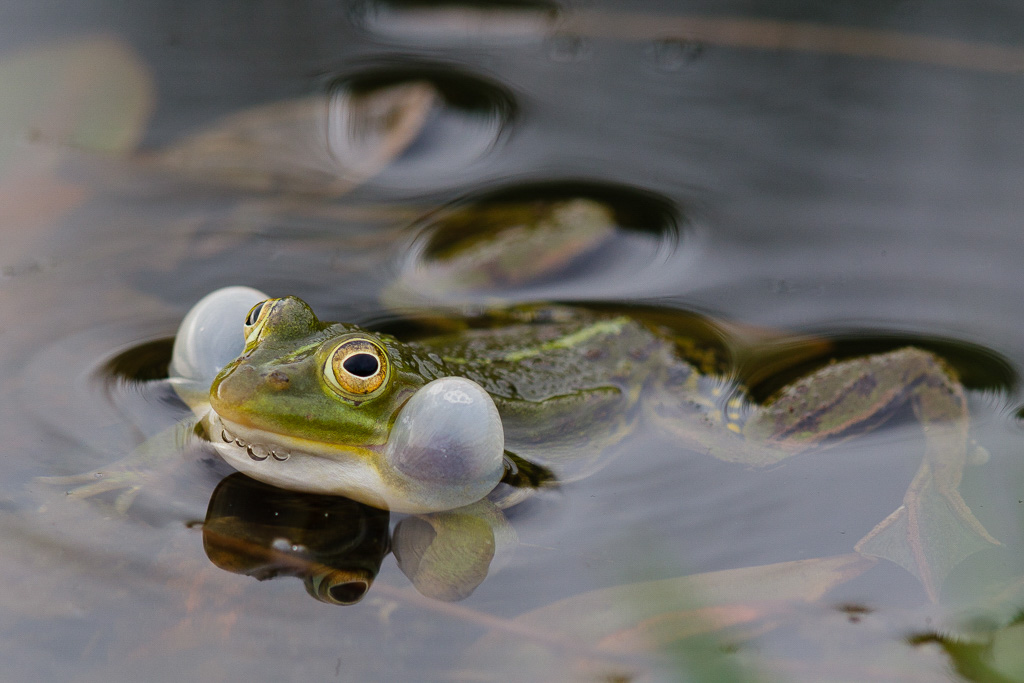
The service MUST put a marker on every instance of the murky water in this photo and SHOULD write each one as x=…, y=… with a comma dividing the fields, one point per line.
x=770, y=177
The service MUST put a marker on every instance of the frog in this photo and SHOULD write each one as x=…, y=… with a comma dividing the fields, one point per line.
x=510, y=398
x=536, y=395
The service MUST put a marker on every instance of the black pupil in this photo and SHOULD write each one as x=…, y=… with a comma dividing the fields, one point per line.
x=361, y=364
x=254, y=314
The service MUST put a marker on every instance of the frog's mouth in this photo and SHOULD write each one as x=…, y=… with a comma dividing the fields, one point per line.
x=445, y=450
x=296, y=464
x=256, y=451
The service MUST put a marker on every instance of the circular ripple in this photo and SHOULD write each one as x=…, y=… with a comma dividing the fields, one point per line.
x=468, y=117
x=553, y=240
x=454, y=21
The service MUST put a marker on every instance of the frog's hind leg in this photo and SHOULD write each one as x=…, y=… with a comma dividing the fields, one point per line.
x=934, y=529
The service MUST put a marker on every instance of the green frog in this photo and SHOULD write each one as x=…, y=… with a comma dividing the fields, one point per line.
x=529, y=396
x=438, y=423
x=525, y=396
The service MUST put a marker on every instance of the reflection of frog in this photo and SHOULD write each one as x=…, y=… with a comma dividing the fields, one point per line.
x=336, y=545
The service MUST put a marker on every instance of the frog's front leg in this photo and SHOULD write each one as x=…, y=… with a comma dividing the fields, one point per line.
x=128, y=476
x=934, y=529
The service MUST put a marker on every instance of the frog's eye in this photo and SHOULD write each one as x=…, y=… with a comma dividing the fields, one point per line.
x=357, y=367
x=255, y=320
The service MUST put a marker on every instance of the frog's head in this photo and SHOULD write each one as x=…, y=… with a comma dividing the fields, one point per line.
x=332, y=408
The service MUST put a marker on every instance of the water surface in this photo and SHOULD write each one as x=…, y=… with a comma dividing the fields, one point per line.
x=842, y=172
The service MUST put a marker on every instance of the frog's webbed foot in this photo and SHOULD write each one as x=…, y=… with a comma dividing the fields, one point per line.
x=932, y=532
x=131, y=474
x=934, y=529
x=100, y=481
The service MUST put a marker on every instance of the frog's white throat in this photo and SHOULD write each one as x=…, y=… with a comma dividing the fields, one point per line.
x=444, y=450
x=294, y=464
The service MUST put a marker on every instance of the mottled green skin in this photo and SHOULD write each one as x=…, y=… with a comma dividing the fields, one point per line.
x=567, y=383
x=565, y=389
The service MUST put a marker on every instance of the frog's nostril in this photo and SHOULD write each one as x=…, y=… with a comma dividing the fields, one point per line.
x=278, y=380
x=235, y=386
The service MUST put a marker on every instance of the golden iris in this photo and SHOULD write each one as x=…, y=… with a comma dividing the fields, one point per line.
x=358, y=367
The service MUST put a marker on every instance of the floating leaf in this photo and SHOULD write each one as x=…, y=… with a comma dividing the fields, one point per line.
x=317, y=145
x=93, y=94
x=598, y=635
x=994, y=656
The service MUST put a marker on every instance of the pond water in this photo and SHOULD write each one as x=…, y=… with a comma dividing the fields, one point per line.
x=782, y=183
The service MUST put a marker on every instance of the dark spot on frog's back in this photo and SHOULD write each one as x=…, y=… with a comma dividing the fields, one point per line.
x=677, y=375
x=864, y=385
x=278, y=380
x=639, y=353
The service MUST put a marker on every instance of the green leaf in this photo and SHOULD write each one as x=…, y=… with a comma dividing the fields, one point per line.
x=687, y=623
x=92, y=94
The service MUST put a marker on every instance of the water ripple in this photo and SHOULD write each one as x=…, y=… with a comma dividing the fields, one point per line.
x=565, y=240
x=468, y=119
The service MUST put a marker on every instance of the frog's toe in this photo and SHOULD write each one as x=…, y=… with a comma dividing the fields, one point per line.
x=932, y=532
x=71, y=479
x=124, y=501
x=446, y=448
x=977, y=454
x=98, y=482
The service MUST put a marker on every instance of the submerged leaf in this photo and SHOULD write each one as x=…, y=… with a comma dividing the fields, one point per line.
x=318, y=145
x=995, y=656
x=599, y=634
x=93, y=94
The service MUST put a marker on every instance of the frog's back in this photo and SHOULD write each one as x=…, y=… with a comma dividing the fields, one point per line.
x=567, y=383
